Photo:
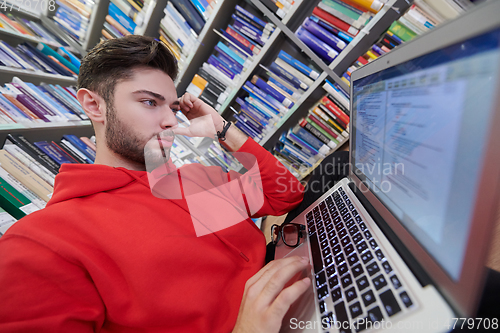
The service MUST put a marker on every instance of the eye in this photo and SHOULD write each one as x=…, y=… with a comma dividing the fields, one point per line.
x=149, y=102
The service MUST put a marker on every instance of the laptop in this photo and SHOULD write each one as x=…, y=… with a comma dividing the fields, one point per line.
x=401, y=244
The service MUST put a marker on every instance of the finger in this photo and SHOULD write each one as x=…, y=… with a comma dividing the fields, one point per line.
x=288, y=296
x=182, y=131
x=270, y=269
x=278, y=281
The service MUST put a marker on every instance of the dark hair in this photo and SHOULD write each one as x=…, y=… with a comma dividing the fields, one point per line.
x=113, y=60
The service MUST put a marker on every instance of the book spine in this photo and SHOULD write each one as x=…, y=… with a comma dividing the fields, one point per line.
x=22, y=189
x=268, y=99
x=121, y=18
x=240, y=38
x=335, y=21
x=298, y=65
x=90, y=153
x=310, y=139
x=12, y=201
x=72, y=151
x=311, y=122
x=189, y=13
x=236, y=43
x=303, y=78
x=51, y=115
x=170, y=9
x=332, y=29
x=217, y=64
x=52, y=153
x=262, y=23
x=230, y=53
x=344, y=118
x=320, y=48
x=342, y=16
x=30, y=162
x=313, y=131
x=281, y=72
x=34, y=152
x=261, y=84
x=48, y=51
x=336, y=43
x=201, y=10
x=245, y=30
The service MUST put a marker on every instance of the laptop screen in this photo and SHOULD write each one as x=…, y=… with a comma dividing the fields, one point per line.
x=419, y=132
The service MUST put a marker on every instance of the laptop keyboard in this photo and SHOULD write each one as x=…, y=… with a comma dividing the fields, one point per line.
x=355, y=282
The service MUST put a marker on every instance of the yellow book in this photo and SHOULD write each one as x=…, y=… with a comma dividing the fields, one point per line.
x=26, y=176
x=371, y=55
x=199, y=82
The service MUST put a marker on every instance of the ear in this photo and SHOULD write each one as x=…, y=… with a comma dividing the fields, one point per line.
x=93, y=105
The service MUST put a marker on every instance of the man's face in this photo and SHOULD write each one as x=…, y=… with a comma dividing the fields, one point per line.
x=141, y=111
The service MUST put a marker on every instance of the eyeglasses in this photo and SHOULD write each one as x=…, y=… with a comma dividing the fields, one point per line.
x=290, y=233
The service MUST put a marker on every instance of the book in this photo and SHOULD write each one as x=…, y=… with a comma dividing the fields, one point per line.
x=55, y=154
x=297, y=74
x=21, y=188
x=190, y=14
x=372, y=5
x=335, y=22
x=264, y=25
x=73, y=152
x=26, y=176
x=121, y=18
x=323, y=50
x=324, y=35
x=313, y=131
x=261, y=84
x=6, y=221
x=48, y=51
x=33, y=151
x=180, y=20
x=282, y=73
x=202, y=10
x=14, y=202
x=444, y=8
x=89, y=143
x=243, y=39
x=304, y=69
x=78, y=143
x=350, y=16
x=117, y=25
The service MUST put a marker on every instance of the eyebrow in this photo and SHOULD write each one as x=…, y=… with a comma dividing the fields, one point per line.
x=155, y=95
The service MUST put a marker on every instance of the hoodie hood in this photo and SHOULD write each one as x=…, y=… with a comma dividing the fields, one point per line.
x=81, y=180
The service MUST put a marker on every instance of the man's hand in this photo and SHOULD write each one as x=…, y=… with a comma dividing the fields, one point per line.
x=266, y=301
x=205, y=121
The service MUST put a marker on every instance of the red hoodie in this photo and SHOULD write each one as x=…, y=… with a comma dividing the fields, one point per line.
x=106, y=255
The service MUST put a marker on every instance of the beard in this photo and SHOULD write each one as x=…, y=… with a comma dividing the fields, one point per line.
x=124, y=141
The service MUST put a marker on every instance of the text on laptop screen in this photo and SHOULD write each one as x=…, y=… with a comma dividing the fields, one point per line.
x=419, y=130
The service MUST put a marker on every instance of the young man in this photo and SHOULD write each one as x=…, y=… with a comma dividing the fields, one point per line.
x=106, y=255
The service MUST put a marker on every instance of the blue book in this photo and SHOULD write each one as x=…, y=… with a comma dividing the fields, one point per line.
x=246, y=129
x=256, y=31
x=75, y=141
x=213, y=60
x=181, y=21
x=336, y=43
x=261, y=84
x=236, y=42
x=228, y=61
x=244, y=30
x=254, y=18
x=190, y=14
x=121, y=18
x=52, y=152
x=298, y=65
x=282, y=73
x=251, y=118
x=230, y=53
x=70, y=99
x=252, y=110
x=257, y=104
x=281, y=86
x=250, y=123
x=47, y=60
x=200, y=8
x=74, y=60
x=335, y=31
x=323, y=50
x=309, y=138
x=51, y=102
x=256, y=117
x=304, y=145
x=268, y=99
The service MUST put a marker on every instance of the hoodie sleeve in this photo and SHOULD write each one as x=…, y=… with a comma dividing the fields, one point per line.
x=31, y=288
x=268, y=187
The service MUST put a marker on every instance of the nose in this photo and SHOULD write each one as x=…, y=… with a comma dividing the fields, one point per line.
x=168, y=119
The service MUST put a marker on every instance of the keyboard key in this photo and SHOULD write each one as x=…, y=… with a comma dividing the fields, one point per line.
x=329, y=226
x=375, y=314
x=320, y=279
x=328, y=261
x=355, y=310
x=330, y=270
x=353, y=259
x=316, y=253
x=357, y=238
x=322, y=236
x=334, y=214
x=342, y=269
x=336, y=294
x=348, y=201
x=387, y=267
x=357, y=270
x=346, y=280
x=324, y=243
x=349, y=223
x=345, y=241
x=342, y=233
x=331, y=233
x=336, y=249
x=362, y=283
x=322, y=292
x=373, y=244
x=337, y=220
x=379, y=282
x=342, y=317
x=312, y=229
x=406, y=299
x=326, y=251
x=366, y=257
x=349, y=249
x=372, y=268
x=368, y=297
x=333, y=281
x=368, y=234
x=322, y=205
x=362, y=247
x=350, y=294
x=358, y=219
x=354, y=212
x=322, y=307
x=395, y=281
x=315, y=209
x=346, y=215
x=351, y=206
x=334, y=241
x=390, y=304
x=353, y=230
x=327, y=321
x=363, y=226
x=339, y=259
x=379, y=254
